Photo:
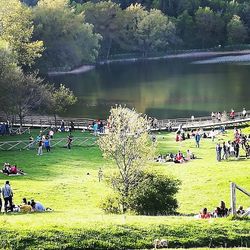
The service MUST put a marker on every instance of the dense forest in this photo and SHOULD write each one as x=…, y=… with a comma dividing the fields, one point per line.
x=73, y=32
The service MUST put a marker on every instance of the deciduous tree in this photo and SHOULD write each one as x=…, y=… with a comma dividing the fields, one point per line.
x=68, y=40
x=60, y=99
x=17, y=29
x=236, y=31
x=155, y=31
x=127, y=143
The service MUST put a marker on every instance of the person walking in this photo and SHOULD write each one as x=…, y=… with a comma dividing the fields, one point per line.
x=69, y=142
x=7, y=196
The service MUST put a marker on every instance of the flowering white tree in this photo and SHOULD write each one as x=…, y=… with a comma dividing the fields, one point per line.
x=127, y=142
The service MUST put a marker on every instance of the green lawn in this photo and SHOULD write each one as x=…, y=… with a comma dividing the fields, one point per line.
x=67, y=181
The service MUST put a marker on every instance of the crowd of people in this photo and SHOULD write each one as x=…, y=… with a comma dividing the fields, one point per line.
x=6, y=193
x=44, y=141
x=232, y=148
x=176, y=158
x=219, y=212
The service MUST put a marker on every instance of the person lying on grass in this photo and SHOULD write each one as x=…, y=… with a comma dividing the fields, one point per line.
x=8, y=169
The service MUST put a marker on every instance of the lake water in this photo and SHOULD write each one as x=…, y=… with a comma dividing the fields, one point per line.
x=163, y=88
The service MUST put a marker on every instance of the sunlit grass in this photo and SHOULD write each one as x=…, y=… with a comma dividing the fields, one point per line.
x=67, y=181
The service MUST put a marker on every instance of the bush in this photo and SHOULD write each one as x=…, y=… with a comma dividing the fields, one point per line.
x=111, y=204
x=154, y=195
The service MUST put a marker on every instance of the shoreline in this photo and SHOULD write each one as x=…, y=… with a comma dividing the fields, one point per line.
x=204, y=54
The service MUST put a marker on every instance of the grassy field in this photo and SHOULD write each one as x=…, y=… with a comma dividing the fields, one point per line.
x=67, y=181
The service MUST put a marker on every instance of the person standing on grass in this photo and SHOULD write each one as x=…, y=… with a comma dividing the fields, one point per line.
x=236, y=149
x=100, y=174
x=69, y=142
x=7, y=196
x=218, y=152
x=197, y=138
x=40, y=147
x=47, y=144
x=225, y=151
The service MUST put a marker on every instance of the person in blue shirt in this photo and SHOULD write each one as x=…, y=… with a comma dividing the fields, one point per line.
x=47, y=144
x=37, y=206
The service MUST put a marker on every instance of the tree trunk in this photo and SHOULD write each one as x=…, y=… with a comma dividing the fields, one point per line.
x=109, y=48
x=21, y=120
x=55, y=120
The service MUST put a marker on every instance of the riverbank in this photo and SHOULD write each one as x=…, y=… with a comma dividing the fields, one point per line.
x=80, y=70
x=184, y=55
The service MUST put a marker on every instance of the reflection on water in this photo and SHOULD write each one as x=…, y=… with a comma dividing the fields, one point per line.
x=163, y=89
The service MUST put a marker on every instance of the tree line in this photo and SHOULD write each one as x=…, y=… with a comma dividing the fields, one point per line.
x=75, y=32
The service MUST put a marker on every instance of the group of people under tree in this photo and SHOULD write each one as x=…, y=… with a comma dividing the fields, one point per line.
x=26, y=206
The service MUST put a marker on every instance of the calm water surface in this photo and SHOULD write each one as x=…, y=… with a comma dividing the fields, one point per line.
x=163, y=89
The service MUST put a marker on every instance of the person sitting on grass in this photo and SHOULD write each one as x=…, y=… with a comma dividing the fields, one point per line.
x=240, y=210
x=190, y=155
x=221, y=211
x=6, y=168
x=25, y=207
x=179, y=158
x=204, y=214
x=37, y=206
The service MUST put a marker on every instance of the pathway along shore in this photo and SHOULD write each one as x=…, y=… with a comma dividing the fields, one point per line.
x=204, y=54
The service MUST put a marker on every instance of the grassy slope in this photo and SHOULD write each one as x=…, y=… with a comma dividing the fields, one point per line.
x=59, y=180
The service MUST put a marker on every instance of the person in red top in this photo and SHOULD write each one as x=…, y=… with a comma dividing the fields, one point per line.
x=13, y=169
x=204, y=214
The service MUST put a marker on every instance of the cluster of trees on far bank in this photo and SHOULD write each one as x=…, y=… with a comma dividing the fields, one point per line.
x=80, y=31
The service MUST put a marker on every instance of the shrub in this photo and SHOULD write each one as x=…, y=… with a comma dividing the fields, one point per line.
x=154, y=195
x=111, y=204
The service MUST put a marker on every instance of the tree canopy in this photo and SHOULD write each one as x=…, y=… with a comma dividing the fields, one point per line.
x=68, y=40
x=74, y=32
x=17, y=30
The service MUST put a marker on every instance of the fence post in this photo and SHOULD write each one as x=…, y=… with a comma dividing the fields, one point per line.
x=233, y=198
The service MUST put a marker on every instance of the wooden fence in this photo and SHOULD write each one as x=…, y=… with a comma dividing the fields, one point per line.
x=45, y=122
x=233, y=188
x=60, y=142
